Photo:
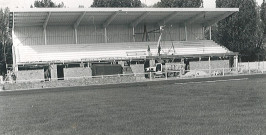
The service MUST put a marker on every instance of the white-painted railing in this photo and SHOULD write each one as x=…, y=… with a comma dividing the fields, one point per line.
x=148, y=76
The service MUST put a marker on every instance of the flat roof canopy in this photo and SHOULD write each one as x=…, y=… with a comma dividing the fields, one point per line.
x=126, y=16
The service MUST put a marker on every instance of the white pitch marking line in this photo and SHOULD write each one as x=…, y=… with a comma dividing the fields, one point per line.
x=215, y=81
x=194, y=82
x=180, y=83
x=221, y=80
x=238, y=79
x=210, y=81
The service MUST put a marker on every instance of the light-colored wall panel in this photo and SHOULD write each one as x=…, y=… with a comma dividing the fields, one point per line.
x=90, y=34
x=95, y=34
x=119, y=33
x=28, y=36
x=60, y=35
x=195, y=32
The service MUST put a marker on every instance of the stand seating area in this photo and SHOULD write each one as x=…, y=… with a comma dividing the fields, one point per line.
x=77, y=52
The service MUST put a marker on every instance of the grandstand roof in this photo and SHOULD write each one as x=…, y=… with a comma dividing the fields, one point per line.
x=105, y=16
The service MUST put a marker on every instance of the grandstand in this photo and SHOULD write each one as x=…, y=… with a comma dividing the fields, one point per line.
x=59, y=37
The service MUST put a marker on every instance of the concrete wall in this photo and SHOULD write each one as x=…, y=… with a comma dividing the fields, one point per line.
x=137, y=68
x=252, y=65
x=53, y=71
x=77, y=72
x=69, y=83
x=30, y=74
x=205, y=64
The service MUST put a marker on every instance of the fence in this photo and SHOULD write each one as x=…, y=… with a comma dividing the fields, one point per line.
x=252, y=67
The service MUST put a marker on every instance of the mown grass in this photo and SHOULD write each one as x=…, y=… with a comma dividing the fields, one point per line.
x=232, y=107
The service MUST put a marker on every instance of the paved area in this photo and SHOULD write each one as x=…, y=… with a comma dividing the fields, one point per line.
x=226, y=105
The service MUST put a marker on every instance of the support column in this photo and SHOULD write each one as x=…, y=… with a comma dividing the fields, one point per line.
x=53, y=71
x=236, y=62
x=15, y=67
x=203, y=31
x=186, y=31
x=210, y=32
x=133, y=29
x=105, y=35
x=209, y=65
x=76, y=36
x=45, y=37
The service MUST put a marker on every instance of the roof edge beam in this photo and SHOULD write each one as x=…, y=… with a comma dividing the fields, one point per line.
x=217, y=19
x=46, y=20
x=168, y=18
x=110, y=19
x=79, y=20
x=139, y=19
x=195, y=18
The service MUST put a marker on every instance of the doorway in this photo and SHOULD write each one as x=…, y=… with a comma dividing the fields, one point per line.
x=60, y=72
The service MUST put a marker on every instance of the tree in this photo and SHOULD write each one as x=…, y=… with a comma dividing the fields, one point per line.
x=5, y=41
x=240, y=32
x=179, y=3
x=47, y=3
x=116, y=3
x=263, y=15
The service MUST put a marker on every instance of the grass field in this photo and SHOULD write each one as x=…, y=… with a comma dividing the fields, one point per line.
x=228, y=106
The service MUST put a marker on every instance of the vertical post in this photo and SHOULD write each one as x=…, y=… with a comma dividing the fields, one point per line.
x=223, y=71
x=105, y=35
x=258, y=65
x=263, y=65
x=203, y=30
x=76, y=36
x=248, y=68
x=133, y=32
x=150, y=75
x=45, y=37
x=236, y=62
x=209, y=65
x=186, y=31
x=210, y=32
x=165, y=73
x=15, y=67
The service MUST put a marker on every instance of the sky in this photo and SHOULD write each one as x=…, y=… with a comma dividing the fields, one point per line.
x=85, y=3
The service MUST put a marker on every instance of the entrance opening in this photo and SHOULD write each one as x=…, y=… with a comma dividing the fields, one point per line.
x=60, y=72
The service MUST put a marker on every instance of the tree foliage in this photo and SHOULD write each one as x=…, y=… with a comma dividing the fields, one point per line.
x=47, y=3
x=5, y=41
x=240, y=32
x=263, y=15
x=179, y=3
x=116, y=3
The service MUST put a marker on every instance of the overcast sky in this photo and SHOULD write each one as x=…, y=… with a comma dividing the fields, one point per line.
x=86, y=3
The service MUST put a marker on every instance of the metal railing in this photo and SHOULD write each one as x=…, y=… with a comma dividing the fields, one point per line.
x=150, y=76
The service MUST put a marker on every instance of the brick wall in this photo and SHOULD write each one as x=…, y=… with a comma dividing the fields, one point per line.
x=77, y=72
x=205, y=64
x=53, y=71
x=69, y=83
x=30, y=74
x=138, y=68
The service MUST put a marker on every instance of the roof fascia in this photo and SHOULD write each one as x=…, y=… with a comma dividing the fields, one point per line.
x=119, y=9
